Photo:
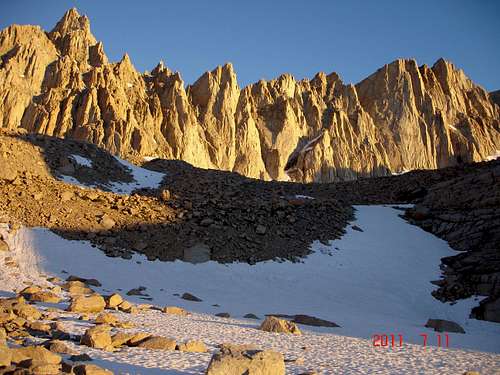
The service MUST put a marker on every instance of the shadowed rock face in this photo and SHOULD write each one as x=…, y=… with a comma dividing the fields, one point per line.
x=402, y=117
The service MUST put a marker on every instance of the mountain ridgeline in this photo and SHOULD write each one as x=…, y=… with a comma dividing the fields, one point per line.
x=402, y=117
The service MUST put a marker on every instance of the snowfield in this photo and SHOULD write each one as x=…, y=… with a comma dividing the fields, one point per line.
x=372, y=282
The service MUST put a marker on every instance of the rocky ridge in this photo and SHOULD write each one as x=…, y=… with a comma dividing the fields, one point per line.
x=402, y=117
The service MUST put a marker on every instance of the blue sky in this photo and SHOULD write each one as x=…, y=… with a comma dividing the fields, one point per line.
x=264, y=39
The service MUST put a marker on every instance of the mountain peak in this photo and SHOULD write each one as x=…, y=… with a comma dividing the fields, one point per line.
x=71, y=21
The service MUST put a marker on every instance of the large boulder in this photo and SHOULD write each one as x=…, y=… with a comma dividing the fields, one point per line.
x=273, y=324
x=36, y=355
x=43, y=296
x=27, y=312
x=97, y=337
x=441, y=325
x=158, y=343
x=87, y=304
x=232, y=361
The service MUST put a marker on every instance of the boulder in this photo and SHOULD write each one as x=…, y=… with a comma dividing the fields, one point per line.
x=121, y=338
x=80, y=358
x=97, y=337
x=107, y=222
x=441, y=325
x=77, y=288
x=3, y=246
x=27, y=312
x=174, y=310
x=5, y=356
x=8, y=173
x=125, y=306
x=272, y=324
x=92, y=282
x=67, y=196
x=90, y=370
x=223, y=315
x=30, y=290
x=158, y=343
x=190, y=297
x=87, y=304
x=193, y=346
x=313, y=321
x=43, y=296
x=57, y=346
x=37, y=355
x=40, y=327
x=251, y=316
x=45, y=369
x=231, y=361
x=137, y=338
x=6, y=317
x=106, y=318
x=113, y=301
x=139, y=291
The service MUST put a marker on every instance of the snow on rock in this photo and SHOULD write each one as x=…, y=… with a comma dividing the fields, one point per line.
x=142, y=178
x=82, y=161
x=298, y=196
x=371, y=282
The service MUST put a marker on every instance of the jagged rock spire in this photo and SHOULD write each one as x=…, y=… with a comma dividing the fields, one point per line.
x=403, y=116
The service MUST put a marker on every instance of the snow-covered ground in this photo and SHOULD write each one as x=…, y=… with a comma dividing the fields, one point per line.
x=142, y=178
x=371, y=282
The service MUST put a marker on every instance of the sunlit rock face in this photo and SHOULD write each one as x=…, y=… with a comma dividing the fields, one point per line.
x=402, y=117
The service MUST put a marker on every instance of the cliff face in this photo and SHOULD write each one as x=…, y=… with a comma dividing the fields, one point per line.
x=400, y=118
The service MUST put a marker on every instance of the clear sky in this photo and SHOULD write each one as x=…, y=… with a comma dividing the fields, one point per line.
x=264, y=39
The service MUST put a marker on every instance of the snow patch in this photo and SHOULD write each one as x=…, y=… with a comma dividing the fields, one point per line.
x=401, y=172
x=82, y=161
x=142, y=178
x=298, y=196
x=376, y=281
x=371, y=282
